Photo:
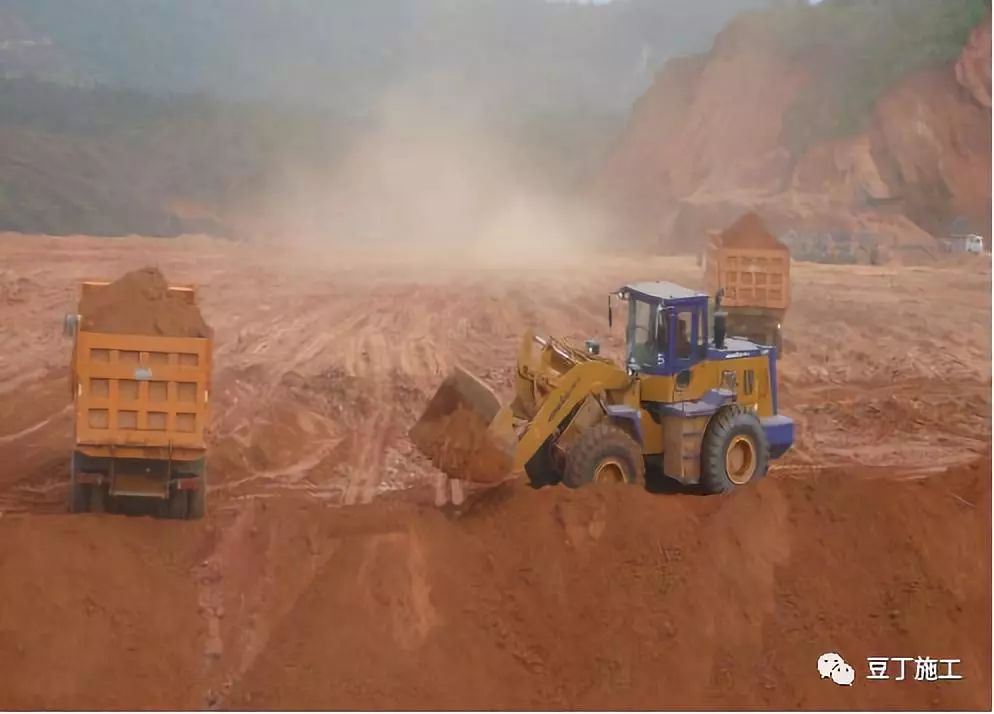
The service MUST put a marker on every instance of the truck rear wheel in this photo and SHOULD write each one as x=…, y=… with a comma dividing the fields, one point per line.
x=178, y=504
x=198, y=500
x=604, y=453
x=79, y=493
x=734, y=450
x=98, y=498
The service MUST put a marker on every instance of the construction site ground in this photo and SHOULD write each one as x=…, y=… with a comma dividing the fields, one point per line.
x=324, y=577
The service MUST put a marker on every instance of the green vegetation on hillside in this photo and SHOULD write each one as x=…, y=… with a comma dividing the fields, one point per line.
x=509, y=55
x=860, y=48
x=162, y=116
x=112, y=161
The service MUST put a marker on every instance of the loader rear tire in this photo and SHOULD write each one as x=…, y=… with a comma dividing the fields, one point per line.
x=734, y=450
x=604, y=453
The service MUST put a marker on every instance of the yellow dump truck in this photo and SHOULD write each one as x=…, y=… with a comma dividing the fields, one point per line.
x=755, y=285
x=141, y=412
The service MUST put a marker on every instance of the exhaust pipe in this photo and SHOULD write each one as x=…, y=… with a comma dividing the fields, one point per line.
x=720, y=320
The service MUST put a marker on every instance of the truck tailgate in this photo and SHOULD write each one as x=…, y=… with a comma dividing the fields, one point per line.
x=141, y=390
x=751, y=277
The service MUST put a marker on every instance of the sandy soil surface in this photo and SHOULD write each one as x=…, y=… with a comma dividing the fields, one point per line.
x=322, y=576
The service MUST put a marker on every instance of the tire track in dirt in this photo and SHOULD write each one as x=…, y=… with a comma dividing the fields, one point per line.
x=379, y=354
x=308, y=319
x=6, y=438
x=247, y=584
x=321, y=373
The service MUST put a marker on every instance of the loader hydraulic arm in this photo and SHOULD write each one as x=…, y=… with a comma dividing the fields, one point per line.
x=589, y=378
x=541, y=371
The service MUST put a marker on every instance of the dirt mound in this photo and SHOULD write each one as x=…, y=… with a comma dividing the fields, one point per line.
x=601, y=598
x=140, y=302
x=749, y=232
x=89, y=607
x=13, y=288
x=617, y=598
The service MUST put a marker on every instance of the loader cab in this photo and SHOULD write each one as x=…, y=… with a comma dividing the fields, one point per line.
x=667, y=330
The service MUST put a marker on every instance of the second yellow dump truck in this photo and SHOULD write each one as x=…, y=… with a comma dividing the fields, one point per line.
x=141, y=404
x=752, y=269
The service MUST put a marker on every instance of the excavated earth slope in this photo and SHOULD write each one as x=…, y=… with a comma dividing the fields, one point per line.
x=603, y=598
x=708, y=140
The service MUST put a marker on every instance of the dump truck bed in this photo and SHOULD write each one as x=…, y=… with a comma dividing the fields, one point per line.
x=141, y=396
x=750, y=277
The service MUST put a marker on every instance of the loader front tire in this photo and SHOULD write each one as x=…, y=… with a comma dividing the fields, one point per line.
x=604, y=453
x=734, y=450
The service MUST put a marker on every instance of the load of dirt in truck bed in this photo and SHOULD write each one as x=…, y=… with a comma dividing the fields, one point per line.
x=749, y=232
x=141, y=303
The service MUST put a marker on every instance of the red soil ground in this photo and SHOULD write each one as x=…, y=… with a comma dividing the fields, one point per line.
x=322, y=576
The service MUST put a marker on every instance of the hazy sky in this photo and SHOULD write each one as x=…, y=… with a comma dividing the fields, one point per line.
x=536, y=55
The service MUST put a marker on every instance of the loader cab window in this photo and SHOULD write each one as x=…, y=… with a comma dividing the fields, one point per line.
x=643, y=331
x=683, y=336
x=662, y=333
x=688, y=336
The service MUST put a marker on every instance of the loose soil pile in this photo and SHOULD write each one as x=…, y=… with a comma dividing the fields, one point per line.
x=460, y=445
x=616, y=598
x=749, y=232
x=605, y=597
x=140, y=302
x=590, y=599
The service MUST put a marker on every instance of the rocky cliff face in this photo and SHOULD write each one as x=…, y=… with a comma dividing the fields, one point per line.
x=712, y=123
x=931, y=143
x=708, y=141
x=973, y=70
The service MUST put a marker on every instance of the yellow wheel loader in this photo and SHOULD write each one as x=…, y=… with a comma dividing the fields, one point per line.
x=698, y=407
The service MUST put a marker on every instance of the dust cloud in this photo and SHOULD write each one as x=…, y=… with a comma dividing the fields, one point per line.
x=420, y=181
x=481, y=142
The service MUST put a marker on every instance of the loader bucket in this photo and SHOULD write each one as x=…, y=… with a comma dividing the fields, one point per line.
x=465, y=432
